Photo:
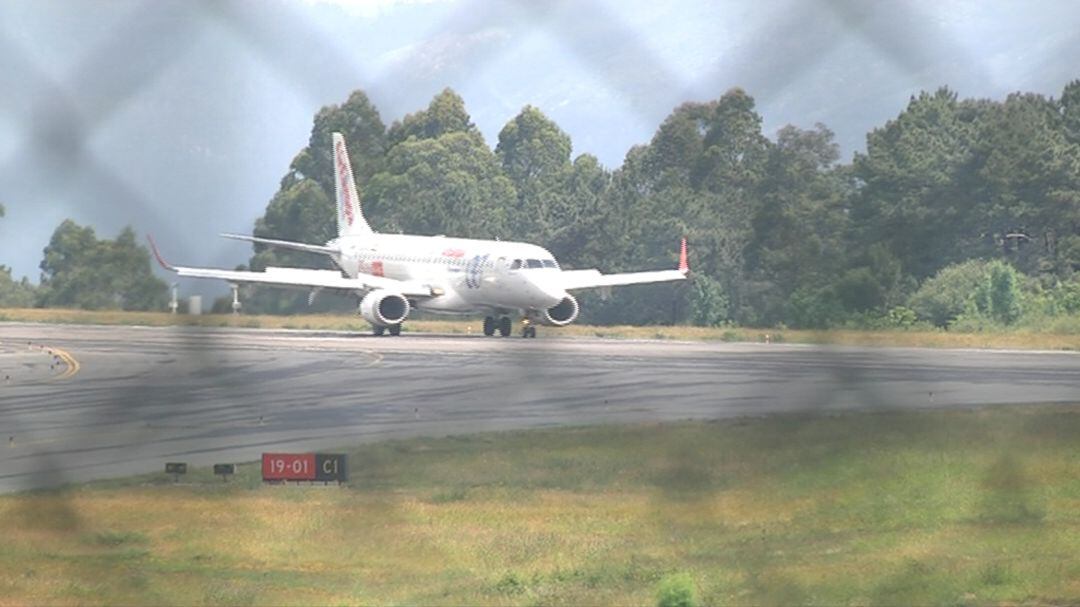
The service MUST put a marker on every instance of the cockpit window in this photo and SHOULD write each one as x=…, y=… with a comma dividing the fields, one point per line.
x=534, y=263
x=516, y=264
x=549, y=263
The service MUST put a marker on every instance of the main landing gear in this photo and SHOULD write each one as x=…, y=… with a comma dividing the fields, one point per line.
x=379, y=330
x=505, y=327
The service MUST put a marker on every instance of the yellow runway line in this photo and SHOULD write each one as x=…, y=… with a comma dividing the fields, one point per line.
x=73, y=365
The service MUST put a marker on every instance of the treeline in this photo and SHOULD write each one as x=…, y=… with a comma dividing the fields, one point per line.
x=960, y=210
x=79, y=270
x=961, y=213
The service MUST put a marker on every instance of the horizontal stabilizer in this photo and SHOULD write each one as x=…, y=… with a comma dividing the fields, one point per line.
x=285, y=244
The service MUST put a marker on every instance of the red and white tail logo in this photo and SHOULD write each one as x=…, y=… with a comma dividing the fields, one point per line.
x=350, y=218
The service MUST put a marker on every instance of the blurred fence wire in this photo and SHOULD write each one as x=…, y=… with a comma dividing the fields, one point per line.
x=66, y=111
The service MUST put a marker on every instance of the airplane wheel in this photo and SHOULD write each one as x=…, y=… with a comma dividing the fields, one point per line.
x=395, y=330
x=504, y=326
x=489, y=326
x=528, y=332
x=378, y=330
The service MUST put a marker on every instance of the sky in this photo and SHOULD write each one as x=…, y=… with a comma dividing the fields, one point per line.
x=179, y=118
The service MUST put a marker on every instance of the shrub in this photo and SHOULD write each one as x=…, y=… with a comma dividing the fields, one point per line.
x=999, y=296
x=814, y=308
x=708, y=302
x=1067, y=297
x=950, y=292
x=676, y=590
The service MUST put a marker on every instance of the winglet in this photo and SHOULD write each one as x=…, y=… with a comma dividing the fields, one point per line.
x=157, y=254
x=684, y=266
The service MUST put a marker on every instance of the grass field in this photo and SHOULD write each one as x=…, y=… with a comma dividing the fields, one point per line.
x=1055, y=338
x=889, y=508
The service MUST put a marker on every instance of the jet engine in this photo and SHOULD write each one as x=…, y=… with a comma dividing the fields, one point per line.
x=562, y=313
x=384, y=308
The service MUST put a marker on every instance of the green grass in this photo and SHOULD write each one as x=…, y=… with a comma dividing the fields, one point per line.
x=1058, y=335
x=893, y=508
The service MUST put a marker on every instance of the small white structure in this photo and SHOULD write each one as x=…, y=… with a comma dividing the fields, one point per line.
x=194, y=306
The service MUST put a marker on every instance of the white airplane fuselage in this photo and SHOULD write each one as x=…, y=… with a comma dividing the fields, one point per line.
x=475, y=275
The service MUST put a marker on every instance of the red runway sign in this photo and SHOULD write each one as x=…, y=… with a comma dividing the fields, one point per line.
x=288, y=466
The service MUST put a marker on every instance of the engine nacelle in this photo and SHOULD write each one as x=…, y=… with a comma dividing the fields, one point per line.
x=383, y=308
x=562, y=313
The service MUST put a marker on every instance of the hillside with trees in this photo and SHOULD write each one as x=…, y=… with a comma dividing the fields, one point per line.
x=959, y=210
x=961, y=213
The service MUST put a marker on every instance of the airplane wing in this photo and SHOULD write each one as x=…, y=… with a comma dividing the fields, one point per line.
x=301, y=278
x=285, y=244
x=591, y=279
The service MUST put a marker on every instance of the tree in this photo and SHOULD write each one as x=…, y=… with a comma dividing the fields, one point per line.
x=735, y=151
x=1028, y=182
x=535, y=154
x=915, y=193
x=1070, y=111
x=451, y=184
x=576, y=238
x=15, y=294
x=78, y=270
x=445, y=114
x=800, y=230
x=699, y=177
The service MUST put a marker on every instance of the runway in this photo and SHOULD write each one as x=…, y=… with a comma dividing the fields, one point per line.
x=91, y=402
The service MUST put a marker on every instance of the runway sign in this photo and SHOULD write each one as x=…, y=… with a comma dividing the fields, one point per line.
x=324, y=467
x=330, y=467
x=175, y=468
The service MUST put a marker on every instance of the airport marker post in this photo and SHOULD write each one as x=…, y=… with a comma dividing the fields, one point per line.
x=176, y=469
x=224, y=471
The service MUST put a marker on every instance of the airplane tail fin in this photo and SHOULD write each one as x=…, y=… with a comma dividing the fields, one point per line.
x=350, y=217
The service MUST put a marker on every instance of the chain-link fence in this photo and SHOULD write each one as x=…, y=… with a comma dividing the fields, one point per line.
x=199, y=395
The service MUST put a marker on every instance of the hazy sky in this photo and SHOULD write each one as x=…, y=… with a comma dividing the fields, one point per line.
x=179, y=118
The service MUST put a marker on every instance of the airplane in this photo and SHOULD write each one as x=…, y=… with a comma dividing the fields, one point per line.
x=392, y=274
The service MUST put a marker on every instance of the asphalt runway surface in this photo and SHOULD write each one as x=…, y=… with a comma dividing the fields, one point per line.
x=89, y=402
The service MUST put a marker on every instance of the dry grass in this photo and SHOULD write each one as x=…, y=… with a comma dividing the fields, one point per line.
x=1015, y=338
x=963, y=507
